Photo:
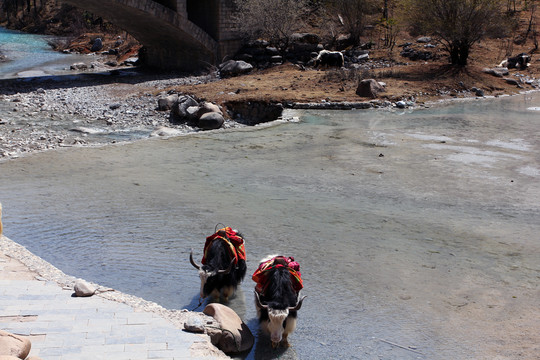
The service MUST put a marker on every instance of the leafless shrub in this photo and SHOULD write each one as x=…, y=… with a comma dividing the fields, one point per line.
x=273, y=20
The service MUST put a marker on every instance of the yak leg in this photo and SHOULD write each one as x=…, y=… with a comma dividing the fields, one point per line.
x=215, y=294
x=289, y=328
x=227, y=292
x=285, y=340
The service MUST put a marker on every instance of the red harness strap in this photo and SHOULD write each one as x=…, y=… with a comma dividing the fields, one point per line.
x=260, y=276
x=234, y=241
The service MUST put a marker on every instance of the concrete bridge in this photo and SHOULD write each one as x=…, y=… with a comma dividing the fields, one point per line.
x=177, y=34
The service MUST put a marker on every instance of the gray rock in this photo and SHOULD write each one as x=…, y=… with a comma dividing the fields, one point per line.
x=363, y=57
x=306, y=38
x=97, y=45
x=194, y=324
x=166, y=103
x=401, y=104
x=207, y=107
x=477, y=91
x=272, y=51
x=79, y=66
x=369, y=88
x=14, y=345
x=83, y=289
x=498, y=72
x=235, y=336
x=118, y=42
x=131, y=61
x=180, y=108
x=423, y=39
x=211, y=120
x=234, y=68
x=511, y=81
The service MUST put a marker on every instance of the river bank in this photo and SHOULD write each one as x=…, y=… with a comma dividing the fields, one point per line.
x=47, y=315
x=105, y=105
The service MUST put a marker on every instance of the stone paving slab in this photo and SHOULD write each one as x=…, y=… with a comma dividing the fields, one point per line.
x=61, y=326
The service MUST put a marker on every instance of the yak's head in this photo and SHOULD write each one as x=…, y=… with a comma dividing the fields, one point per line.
x=276, y=319
x=209, y=275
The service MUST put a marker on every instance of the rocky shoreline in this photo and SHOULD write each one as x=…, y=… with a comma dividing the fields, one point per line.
x=66, y=111
x=87, y=109
x=113, y=105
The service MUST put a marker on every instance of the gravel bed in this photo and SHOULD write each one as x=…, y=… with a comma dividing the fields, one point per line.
x=85, y=109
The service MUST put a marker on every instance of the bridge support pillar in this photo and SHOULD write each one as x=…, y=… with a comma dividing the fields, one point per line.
x=181, y=7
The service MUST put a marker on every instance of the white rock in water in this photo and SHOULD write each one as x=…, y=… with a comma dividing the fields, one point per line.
x=165, y=131
x=82, y=289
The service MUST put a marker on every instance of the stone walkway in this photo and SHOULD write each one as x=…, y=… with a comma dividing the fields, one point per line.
x=61, y=326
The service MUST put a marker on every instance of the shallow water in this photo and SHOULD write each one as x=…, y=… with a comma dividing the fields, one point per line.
x=407, y=225
x=30, y=55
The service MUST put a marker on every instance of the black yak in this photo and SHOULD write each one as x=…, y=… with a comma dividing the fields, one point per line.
x=277, y=297
x=520, y=62
x=223, y=264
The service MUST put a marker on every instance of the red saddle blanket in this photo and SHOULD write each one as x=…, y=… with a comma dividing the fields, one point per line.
x=234, y=241
x=260, y=276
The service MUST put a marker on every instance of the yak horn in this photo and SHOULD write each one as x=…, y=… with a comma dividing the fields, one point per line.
x=228, y=270
x=195, y=265
x=298, y=304
x=258, y=300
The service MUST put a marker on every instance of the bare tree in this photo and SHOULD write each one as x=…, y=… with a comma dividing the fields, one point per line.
x=353, y=14
x=273, y=20
x=458, y=24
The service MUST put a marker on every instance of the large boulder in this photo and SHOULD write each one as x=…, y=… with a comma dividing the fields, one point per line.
x=14, y=345
x=306, y=38
x=208, y=107
x=369, y=88
x=167, y=102
x=234, y=68
x=180, y=111
x=97, y=45
x=210, y=121
x=233, y=336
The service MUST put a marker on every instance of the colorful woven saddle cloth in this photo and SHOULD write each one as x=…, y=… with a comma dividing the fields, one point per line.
x=260, y=276
x=234, y=241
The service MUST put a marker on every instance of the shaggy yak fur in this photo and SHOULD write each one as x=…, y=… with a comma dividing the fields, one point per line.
x=329, y=58
x=219, y=276
x=278, y=307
